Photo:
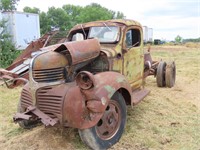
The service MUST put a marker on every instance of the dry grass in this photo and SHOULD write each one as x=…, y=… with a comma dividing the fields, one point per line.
x=166, y=119
x=192, y=45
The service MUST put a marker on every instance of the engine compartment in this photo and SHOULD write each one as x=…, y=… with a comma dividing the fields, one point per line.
x=67, y=60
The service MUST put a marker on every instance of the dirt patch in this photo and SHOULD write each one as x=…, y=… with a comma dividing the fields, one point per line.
x=40, y=138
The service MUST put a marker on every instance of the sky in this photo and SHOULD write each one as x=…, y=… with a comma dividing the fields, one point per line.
x=168, y=18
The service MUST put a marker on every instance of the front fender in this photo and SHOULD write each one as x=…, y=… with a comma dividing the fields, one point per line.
x=108, y=83
x=84, y=108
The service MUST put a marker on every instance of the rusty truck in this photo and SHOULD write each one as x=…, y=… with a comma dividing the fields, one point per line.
x=86, y=80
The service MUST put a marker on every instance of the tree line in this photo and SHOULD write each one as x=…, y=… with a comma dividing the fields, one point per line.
x=65, y=17
x=197, y=40
x=179, y=39
x=68, y=15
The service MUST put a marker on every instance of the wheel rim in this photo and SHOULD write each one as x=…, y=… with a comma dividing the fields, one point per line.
x=109, y=124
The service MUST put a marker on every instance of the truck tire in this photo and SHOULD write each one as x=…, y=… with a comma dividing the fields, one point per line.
x=110, y=127
x=160, y=74
x=170, y=75
x=25, y=124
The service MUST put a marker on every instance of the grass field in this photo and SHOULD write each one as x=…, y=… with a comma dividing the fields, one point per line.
x=167, y=119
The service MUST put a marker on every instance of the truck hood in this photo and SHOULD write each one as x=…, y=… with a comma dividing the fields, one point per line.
x=80, y=51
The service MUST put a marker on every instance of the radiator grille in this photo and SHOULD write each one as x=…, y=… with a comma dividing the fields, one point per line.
x=48, y=103
x=26, y=99
x=49, y=75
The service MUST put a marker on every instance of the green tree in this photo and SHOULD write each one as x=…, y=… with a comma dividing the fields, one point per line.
x=8, y=5
x=69, y=15
x=94, y=12
x=58, y=18
x=191, y=40
x=45, y=25
x=73, y=13
x=178, y=39
x=119, y=15
x=7, y=49
x=31, y=10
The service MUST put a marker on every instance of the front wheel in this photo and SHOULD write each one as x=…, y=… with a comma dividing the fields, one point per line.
x=110, y=127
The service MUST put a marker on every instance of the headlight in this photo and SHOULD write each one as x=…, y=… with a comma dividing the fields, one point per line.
x=85, y=80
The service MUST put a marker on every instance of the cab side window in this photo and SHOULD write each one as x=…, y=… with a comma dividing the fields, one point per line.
x=133, y=38
x=129, y=39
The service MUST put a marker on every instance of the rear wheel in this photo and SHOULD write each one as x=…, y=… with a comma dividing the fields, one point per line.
x=110, y=127
x=26, y=124
x=170, y=75
x=160, y=75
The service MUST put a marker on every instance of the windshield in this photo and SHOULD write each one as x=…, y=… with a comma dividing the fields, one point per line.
x=106, y=34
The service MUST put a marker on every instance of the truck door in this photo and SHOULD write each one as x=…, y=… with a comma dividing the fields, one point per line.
x=133, y=58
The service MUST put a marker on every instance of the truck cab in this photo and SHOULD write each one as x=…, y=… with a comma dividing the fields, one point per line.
x=121, y=42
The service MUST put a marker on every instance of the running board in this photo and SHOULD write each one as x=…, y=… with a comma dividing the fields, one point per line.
x=139, y=95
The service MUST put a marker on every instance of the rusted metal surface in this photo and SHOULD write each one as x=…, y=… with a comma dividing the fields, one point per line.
x=90, y=104
x=110, y=121
x=33, y=47
x=65, y=101
x=114, y=22
x=85, y=80
x=26, y=99
x=72, y=83
x=50, y=100
x=81, y=51
x=59, y=64
x=45, y=119
x=122, y=59
x=139, y=95
x=12, y=80
x=45, y=69
x=20, y=66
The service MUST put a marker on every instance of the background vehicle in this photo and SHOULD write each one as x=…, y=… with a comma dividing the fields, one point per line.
x=87, y=82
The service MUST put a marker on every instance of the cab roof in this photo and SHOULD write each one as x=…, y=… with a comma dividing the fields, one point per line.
x=114, y=22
